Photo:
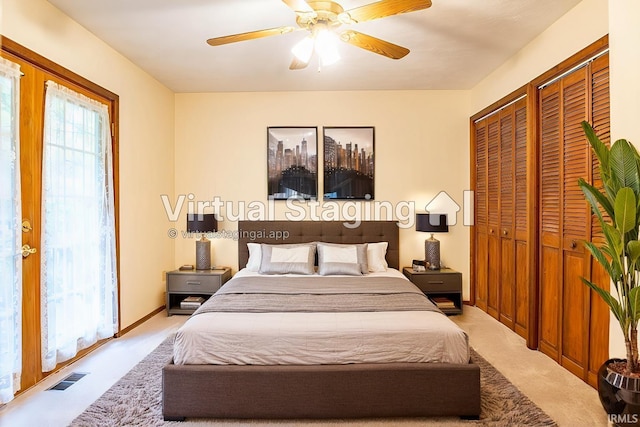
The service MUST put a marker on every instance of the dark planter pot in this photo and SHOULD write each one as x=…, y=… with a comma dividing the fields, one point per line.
x=619, y=395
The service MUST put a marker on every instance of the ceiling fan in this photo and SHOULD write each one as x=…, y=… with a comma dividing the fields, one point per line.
x=323, y=19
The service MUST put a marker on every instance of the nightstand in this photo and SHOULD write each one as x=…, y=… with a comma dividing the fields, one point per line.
x=439, y=283
x=198, y=283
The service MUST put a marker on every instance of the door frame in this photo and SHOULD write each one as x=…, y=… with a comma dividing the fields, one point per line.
x=36, y=70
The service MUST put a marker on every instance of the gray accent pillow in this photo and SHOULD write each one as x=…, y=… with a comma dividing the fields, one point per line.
x=336, y=258
x=288, y=258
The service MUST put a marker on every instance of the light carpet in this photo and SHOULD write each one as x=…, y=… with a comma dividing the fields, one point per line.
x=136, y=400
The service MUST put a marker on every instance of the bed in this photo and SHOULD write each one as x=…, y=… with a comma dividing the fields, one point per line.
x=252, y=374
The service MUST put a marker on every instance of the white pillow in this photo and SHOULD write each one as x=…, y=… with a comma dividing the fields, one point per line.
x=285, y=259
x=255, y=256
x=376, y=257
x=342, y=259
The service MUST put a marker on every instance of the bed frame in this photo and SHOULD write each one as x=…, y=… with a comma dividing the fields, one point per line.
x=320, y=391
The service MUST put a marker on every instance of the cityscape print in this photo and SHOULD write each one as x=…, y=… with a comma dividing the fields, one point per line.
x=292, y=162
x=349, y=163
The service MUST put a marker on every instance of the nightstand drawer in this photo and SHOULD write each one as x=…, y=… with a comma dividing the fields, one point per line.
x=443, y=286
x=437, y=282
x=194, y=283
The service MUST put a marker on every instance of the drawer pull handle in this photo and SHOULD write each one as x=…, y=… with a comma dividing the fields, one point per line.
x=193, y=283
x=436, y=282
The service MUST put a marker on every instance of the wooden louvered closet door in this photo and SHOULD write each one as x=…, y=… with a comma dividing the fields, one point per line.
x=501, y=233
x=521, y=230
x=599, y=312
x=513, y=289
x=481, y=259
x=505, y=285
x=493, y=213
x=566, y=304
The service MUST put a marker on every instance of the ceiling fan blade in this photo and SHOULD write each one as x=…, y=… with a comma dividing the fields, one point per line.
x=217, y=41
x=382, y=9
x=296, y=64
x=299, y=6
x=374, y=44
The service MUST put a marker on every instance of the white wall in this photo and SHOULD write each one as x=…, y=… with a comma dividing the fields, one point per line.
x=624, y=63
x=578, y=28
x=421, y=148
x=146, y=142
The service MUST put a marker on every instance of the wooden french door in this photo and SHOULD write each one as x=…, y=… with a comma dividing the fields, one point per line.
x=36, y=71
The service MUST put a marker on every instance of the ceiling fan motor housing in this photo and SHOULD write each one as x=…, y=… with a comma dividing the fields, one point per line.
x=325, y=12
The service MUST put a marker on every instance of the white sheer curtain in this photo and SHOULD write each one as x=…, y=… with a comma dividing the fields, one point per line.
x=10, y=233
x=78, y=283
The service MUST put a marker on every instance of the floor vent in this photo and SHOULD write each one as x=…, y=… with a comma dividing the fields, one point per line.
x=68, y=381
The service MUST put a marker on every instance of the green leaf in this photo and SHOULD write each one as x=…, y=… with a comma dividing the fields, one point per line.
x=623, y=167
x=597, y=253
x=596, y=199
x=614, y=239
x=613, y=303
x=634, y=303
x=616, y=267
x=599, y=148
x=625, y=210
x=633, y=247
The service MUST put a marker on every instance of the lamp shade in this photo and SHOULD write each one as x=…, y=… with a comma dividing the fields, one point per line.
x=432, y=223
x=201, y=223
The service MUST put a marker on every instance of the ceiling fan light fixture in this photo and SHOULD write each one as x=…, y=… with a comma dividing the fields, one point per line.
x=322, y=18
x=303, y=49
x=327, y=47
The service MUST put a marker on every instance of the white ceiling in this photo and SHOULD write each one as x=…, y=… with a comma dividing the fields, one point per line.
x=454, y=44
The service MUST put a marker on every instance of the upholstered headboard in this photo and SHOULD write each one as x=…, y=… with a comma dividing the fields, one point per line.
x=279, y=232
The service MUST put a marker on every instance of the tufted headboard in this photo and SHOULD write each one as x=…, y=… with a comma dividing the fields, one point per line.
x=274, y=232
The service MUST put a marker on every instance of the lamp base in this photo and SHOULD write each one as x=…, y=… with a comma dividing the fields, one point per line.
x=432, y=253
x=203, y=254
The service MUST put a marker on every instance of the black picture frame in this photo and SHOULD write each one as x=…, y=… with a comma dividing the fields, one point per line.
x=292, y=162
x=349, y=163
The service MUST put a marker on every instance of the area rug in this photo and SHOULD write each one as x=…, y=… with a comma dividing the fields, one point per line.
x=136, y=400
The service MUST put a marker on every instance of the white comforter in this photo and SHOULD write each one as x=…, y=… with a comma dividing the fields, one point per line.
x=320, y=338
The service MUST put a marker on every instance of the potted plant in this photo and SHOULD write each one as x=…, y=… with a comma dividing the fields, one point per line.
x=617, y=207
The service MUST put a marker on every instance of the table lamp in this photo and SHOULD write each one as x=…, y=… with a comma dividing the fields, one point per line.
x=202, y=223
x=432, y=223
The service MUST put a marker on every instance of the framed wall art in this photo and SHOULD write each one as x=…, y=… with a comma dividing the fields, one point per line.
x=292, y=162
x=349, y=163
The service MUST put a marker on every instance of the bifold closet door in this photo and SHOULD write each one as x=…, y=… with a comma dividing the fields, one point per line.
x=565, y=220
x=493, y=214
x=501, y=233
x=520, y=282
x=567, y=307
x=481, y=258
x=506, y=289
x=531, y=217
x=513, y=284
x=599, y=311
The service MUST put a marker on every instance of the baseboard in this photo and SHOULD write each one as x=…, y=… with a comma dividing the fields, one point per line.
x=139, y=322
